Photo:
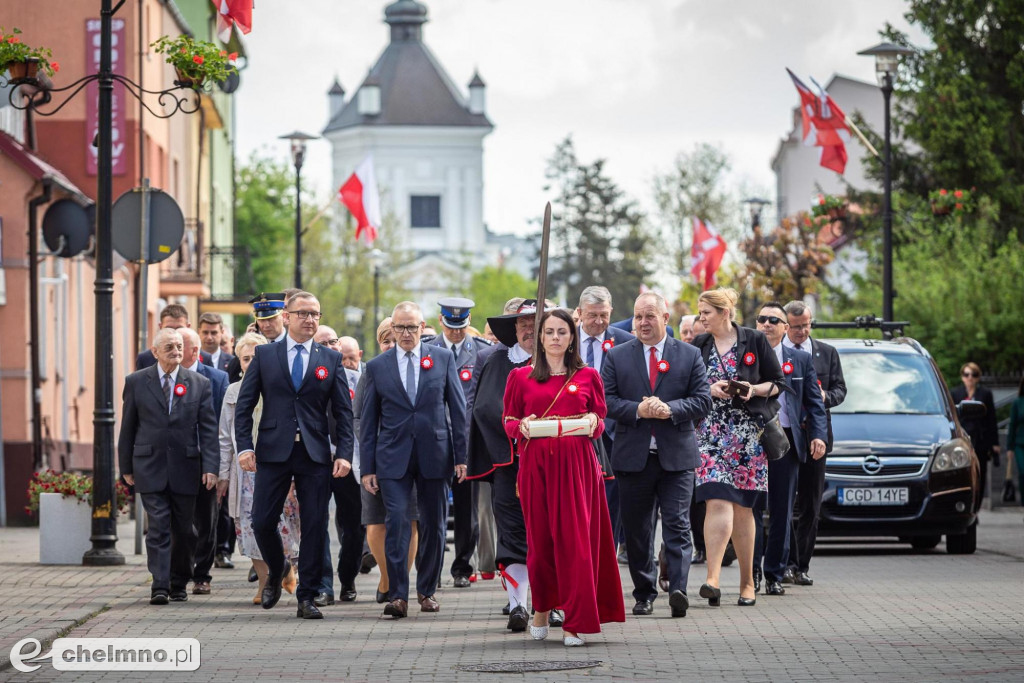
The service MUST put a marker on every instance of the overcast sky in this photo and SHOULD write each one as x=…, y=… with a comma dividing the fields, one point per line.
x=634, y=81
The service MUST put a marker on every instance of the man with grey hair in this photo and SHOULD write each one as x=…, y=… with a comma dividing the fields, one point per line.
x=597, y=338
x=686, y=332
x=811, y=475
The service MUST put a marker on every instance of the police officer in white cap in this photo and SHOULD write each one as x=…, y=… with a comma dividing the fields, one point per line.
x=454, y=319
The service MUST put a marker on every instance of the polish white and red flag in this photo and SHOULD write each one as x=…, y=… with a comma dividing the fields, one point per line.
x=360, y=195
x=824, y=125
x=233, y=13
x=706, y=254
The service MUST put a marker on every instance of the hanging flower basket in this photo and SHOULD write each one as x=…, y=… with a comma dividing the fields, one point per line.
x=23, y=61
x=27, y=69
x=956, y=201
x=829, y=205
x=196, y=61
x=183, y=78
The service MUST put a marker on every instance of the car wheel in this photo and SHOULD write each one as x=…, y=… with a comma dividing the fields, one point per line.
x=963, y=544
x=925, y=542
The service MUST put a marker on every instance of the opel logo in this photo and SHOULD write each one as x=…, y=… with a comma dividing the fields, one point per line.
x=872, y=465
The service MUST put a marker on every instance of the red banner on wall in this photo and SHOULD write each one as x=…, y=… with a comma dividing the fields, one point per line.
x=119, y=132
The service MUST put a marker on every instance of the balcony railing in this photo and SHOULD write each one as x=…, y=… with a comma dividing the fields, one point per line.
x=186, y=264
x=230, y=273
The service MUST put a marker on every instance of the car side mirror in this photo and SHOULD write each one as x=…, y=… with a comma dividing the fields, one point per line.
x=969, y=410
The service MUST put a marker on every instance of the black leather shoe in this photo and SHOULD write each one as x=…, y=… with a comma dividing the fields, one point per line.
x=323, y=600
x=788, y=576
x=180, y=595
x=307, y=610
x=518, y=619
x=223, y=561
x=663, y=582
x=381, y=598
x=678, y=602
x=699, y=557
x=746, y=602
x=758, y=576
x=643, y=607
x=774, y=588
x=506, y=609
x=158, y=599
x=801, y=579
x=271, y=592
x=713, y=595
x=368, y=562
x=462, y=582
x=253, y=576
x=556, y=618
x=348, y=593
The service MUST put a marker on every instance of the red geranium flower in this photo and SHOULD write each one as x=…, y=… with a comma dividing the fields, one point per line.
x=749, y=358
x=179, y=389
x=198, y=59
x=465, y=375
x=55, y=66
x=663, y=366
x=958, y=194
x=223, y=53
x=14, y=40
x=943, y=192
x=787, y=368
x=427, y=363
x=607, y=345
x=959, y=206
x=233, y=56
x=320, y=373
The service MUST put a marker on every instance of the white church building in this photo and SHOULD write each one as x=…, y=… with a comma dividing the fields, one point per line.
x=426, y=138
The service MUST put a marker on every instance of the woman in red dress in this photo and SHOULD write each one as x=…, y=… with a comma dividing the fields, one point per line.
x=571, y=551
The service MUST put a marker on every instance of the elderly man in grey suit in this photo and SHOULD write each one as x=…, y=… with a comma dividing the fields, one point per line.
x=167, y=446
x=656, y=389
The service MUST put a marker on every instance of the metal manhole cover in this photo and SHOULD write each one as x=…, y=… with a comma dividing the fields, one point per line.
x=524, y=667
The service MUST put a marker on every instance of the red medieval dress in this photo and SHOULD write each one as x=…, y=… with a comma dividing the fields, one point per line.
x=570, y=548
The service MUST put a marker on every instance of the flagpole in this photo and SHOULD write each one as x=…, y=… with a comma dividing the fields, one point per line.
x=863, y=139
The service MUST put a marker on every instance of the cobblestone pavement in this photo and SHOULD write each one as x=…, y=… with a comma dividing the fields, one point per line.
x=876, y=612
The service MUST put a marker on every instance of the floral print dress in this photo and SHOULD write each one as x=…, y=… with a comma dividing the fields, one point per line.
x=288, y=526
x=733, y=465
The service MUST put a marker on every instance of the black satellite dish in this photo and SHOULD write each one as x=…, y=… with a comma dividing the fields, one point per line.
x=230, y=84
x=67, y=227
x=166, y=225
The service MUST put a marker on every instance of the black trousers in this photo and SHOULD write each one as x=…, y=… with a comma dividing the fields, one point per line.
x=806, y=513
x=698, y=511
x=641, y=495
x=774, y=549
x=207, y=510
x=170, y=540
x=348, y=509
x=312, y=488
x=509, y=524
x=225, y=528
x=467, y=528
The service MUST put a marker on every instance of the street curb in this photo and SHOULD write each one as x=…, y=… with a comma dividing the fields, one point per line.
x=47, y=640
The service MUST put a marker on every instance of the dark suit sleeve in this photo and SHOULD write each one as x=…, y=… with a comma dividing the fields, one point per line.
x=369, y=423
x=814, y=407
x=129, y=427
x=836, y=393
x=456, y=402
x=341, y=409
x=209, y=444
x=991, y=428
x=769, y=369
x=697, y=402
x=619, y=409
x=248, y=397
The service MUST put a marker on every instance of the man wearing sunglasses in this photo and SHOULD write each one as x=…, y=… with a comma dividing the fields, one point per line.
x=811, y=478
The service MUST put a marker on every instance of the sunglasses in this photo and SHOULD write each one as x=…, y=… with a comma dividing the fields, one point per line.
x=971, y=374
x=774, y=320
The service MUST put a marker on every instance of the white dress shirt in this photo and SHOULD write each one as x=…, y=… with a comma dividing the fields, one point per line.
x=306, y=345
x=783, y=413
x=598, y=349
x=215, y=358
x=174, y=381
x=805, y=347
x=659, y=354
x=403, y=362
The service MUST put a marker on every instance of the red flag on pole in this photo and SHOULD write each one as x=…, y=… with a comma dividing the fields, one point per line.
x=233, y=12
x=824, y=125
x=360, y=195
x=706, y=254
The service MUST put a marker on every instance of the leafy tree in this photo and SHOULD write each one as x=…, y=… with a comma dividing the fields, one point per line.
x=491, y=286
x=598, y=236
x=265, y=223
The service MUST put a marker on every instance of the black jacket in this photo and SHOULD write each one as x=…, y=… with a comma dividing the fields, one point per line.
x=764, y=367
x=984, y=430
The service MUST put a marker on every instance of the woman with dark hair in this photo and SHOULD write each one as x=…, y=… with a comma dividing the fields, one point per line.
x=571, y=557
x=984, y=430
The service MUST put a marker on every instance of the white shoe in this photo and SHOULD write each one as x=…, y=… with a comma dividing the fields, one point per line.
x=538, y=632
x=573, y=641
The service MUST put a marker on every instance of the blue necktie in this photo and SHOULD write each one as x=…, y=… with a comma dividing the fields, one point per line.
x=410, y=377
x=297, y=367
x=590, y=351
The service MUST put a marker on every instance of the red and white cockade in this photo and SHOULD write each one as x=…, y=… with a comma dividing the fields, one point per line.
x=320, y=373
x=572, y=388
x=787, y=368
x=607, y=345
x=465, y=375
x=179, y=389
x=427, y=363
x=663, y=366
x=749, y=358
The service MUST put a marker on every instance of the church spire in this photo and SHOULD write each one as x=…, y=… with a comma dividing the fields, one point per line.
x=406, y=18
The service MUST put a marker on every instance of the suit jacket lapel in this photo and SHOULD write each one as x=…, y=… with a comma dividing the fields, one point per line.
x=155, y=383
x=314, y=361
x=425, y=353
x=668, y=350
x=641, y=362
x=787, y=357
x=282, y=353
x=396, y=377
x=741, y=342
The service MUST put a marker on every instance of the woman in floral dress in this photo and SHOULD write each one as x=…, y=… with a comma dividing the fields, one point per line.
x=733, y=472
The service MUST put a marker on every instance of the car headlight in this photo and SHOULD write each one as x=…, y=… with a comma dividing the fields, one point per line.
x=953, y=455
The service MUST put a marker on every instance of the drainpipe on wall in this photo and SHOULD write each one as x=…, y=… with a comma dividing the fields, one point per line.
x=33, y=317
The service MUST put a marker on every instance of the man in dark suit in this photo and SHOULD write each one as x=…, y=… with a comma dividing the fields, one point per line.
x=299, y=381
x=811, y=478
x=656, y=389
x=597, y=337
x=211, y=329
x=413, y=431
x=207, y=501
x=802, y=414
x=167, y=448
x=172, y=317
x=455, y=318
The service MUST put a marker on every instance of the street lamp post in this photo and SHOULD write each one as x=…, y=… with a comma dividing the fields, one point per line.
x=756, y=206
x=377, y=260
x=886, y=62
x=298, y=149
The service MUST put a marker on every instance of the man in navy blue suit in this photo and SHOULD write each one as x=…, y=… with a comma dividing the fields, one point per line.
x=206, y=512
x=413, y=431
x=172, y=317
x=802, y=414
x=657, y=390
x=597, y=337
x=299, y=381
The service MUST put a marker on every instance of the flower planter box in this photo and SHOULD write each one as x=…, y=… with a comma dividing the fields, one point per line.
x=939, y=210
x=65, y=524
x=27, y=69
x=188, y=81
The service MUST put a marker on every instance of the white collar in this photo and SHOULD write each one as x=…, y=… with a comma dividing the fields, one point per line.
x=786, y=341
x=517, y=354
x=401, y=352
x=306, y=345
x=173, y=373
x=193, y=366
x=660, y=346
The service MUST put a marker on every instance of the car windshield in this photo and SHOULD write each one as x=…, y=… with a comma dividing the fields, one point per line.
x=889, y=383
